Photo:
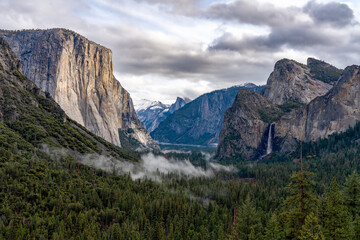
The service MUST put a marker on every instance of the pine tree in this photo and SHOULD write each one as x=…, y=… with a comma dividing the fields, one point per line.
x=252, y=235
x=249, y=219
x=273, y=230
x=352, y=193
x=311, y=230
x=299, y=204
x=352, y=200
x=337, y=224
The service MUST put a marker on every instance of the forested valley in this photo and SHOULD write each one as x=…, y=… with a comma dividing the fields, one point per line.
x=43, y=197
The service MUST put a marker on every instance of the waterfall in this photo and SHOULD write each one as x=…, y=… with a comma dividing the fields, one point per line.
x=269, y=141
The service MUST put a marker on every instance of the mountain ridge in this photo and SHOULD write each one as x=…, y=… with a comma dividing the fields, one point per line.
x=152, y=113
x=78, y=74
x=198, y=122
x=302, y=114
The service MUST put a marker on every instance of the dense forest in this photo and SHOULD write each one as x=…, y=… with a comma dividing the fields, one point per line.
x=44, y=197
x=47, y=193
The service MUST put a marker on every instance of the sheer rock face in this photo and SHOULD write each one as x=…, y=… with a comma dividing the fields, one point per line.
x=179, y=103
x=78, y=74
x=332, y=113
x=292, y=82
x=244, y=128
x=247, y=122
x=199, y=121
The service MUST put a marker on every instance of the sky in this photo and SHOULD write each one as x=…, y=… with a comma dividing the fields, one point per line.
x=168, y=48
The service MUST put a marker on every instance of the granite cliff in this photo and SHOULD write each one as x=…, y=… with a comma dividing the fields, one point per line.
x=295, y=106
x=199, y=122
x=245, y=127
x=78, y=74
x=31, y=122
x=334, y=112
x=293, y=82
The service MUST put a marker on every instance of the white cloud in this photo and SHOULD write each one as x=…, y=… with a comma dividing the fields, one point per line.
x=153, y=167
x=160, y=47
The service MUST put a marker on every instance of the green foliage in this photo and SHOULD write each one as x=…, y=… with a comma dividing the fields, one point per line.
x=334, y=143
x=336, y=222
x=352, y=194
x=299, y=204
x=273, y=229
x=248, y=220
x=311, y=230
x=324, y=72
x=44, y=196
x=288, y=106
x=270, y=115
x=19, y=75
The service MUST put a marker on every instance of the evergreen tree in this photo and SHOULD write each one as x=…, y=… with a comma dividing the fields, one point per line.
x=352, y=193
x=248, y=219
x=252, y=235
x=299, y=204
x=273, y=230
x=337, y=224
x=352, y=200
x=311, y=230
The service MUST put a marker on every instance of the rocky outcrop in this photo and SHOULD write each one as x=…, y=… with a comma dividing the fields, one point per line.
x=332, y=113
x=246, y=125
x=31, y=119
x=323, y=71
x=292, y=82
x=198, y=122
x=152, y=113
x=179, y=103
x=78, y=74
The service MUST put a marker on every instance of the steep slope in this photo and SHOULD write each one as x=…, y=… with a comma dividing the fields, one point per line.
x=198, y=122
x=246, y=125
x=179, y=103
x=45, y=193
x=334, y=112
x=323, y=71
x=78, y=74
x=152, y=113
x=29, y=118
x=293, y=82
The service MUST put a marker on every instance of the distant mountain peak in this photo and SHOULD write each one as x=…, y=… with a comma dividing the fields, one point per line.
x=152, y=113
x=250, y=85
x=144, y=104
x=199, y=121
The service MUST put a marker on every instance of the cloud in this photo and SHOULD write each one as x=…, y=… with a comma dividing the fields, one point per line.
x=168, y=48
x=153, y=167
x=338, y=14
x=177, y=6
x=250, y=11
x=18, y=14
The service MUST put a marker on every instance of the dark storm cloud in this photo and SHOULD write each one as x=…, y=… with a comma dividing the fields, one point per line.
x=295, y=37
x=231, y=59
x=313, y=28
x=338, y=14
x=253, y=12
x=250, y=11
x=149, y=56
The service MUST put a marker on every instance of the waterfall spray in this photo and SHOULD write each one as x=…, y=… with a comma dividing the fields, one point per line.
x=269, y=141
